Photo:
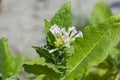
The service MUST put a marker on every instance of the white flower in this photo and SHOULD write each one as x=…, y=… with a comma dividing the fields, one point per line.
x=55, y=30
x=63, y=37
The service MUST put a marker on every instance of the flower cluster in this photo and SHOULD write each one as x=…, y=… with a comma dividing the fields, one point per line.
x=64, y=38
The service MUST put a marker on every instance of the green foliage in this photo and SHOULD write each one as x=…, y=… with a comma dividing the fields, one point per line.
x=109, y=66
x=0, y=76
x=100, y=12
x=39, y=66
x=94, y=47
x=7, y=63
x=97, y=48
x=62, y=18
x=43, y=52
x=97, y=43
x=18, y=64
x=9, y=67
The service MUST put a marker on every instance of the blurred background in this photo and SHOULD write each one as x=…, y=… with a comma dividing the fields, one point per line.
x=22, y=21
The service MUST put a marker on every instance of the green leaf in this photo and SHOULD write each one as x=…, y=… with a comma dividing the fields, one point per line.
x=94, y=47
x=38, y=66
x=62, y=18
x=97, y=74
x=18, y=65
x=100, y=12
x=0, y=76
x=7, y=63
x=47, y=25
x=50, y=39
x=43, y=53
x=118, y=46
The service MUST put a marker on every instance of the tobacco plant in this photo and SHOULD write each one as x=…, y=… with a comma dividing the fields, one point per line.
x=70, y=53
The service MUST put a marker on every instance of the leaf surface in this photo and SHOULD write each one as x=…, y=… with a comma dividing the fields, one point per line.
x=38, y=66
x=18, y=65
x=100, y=12
x=63, y=17
x=7, y=63
x=43, y=52
x=94, y=47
